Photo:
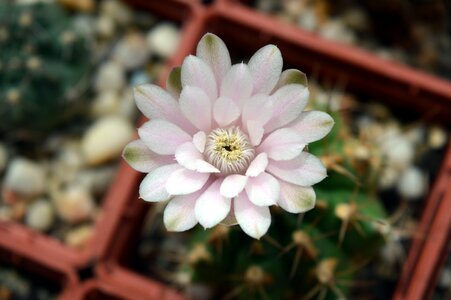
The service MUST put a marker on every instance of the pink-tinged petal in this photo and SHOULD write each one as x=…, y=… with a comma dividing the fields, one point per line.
x=282, y=144
x=211, y=207
x=263, y=190
x=155, y=103
x=225, y=111
x=199, y=140
x=253, y=220
x=233, y=185
x=288, y=103
x=174, y=82
x=304, y=170
x=162, y=137
x=290, y=76
x=195, y=72
x=152, y=188
x=257, y=108
x=237, y=84
x=256, y=131
x=203, y=167
x=313, y=125
x=265, y=66
x=184, y=181
x=214, y=52
x=187, y=155
x=196, y=107
x=296, y=199
x=258, y=165
x=140, y=158
x=179, y=213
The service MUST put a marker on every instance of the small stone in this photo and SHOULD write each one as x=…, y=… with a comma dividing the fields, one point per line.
x=40, y=215
x=3, y=157
x=96, y=180
x=74, y=204
x=437, y=137
x=106, y=103
x=308, y=20
x=79, y=237
x=105, y=139
x=163, y=39
x=104, y=26
x=131, y=51
x=335, y=30
x=25, y=177
x=398, y=150
x=412, y=184
x=117, y=11
x=110, y=77
x=127, y=106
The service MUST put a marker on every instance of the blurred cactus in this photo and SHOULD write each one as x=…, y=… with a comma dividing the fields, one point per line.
x=43, y=68
x=312, y=256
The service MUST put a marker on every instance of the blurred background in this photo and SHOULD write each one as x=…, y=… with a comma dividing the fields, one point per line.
x=67, y=72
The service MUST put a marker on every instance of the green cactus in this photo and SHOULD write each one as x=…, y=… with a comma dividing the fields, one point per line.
x=314, y=256
x=43, y=68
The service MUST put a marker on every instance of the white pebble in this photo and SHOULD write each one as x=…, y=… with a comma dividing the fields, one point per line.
x=79, y=237
x=3, y=157
x=40, y=215
x=334, y=30
x=110, y=76
x=25, y=177
x=437, y=137
x=117, y=11
x=412, y=184
x=163, y=39
x=105, y=139
x=308, y=20
x=106, y=103
x=96, y=180
x=74, y=204
x=398, y=150
x=131, y=51
x=105, y=26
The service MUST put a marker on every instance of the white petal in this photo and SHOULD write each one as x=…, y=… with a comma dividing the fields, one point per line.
x=237, y=84
x=179, y=213
x=305, y=170
x=296, y=199
x=162, y=137
x=152, y=188
x=256, y=131
x=263, y=190
x=258, y=165
x=233, y=185
x=185, y=181
x=155, y=103
x=313, y=125
x=195, y=72
x=211, y=207
x=196, y=107
x=290, y=76
x=254, y=220
x=213, y=51
x=187, y=155
x=258, y=108
x=265, y=66
x=140, y=158
x=203, y=167
x=288, y=103
x=225, y=111
x=199, y=140
x=282, y=144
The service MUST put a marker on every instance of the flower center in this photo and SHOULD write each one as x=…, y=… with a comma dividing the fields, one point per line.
x=229, y=150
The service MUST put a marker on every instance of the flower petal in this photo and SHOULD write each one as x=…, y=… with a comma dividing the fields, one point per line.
x=199, y=140
x=179, y=213
x=140, y=158
x=282, y=144
x=296, y=199
x=313, y=125
x=233, y=185
x=155, y=103
x=162, y=137
x=254, y=220
x=258, y=165
x=265, y=66
x=263, y=190
x=225, y=111
x=211, y=207
x=187, y=155
x=184, y=181
x=237, y=84
x=288, y=103
x=213, y=51
x=152, y=188
x=256, y=131
x=174, y=82
x=196, y=107
x=195, y=72
x=305, y=170
x=257, y=108
x=290, y=76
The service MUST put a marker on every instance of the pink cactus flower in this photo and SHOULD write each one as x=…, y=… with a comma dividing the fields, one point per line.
x=232, y=144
